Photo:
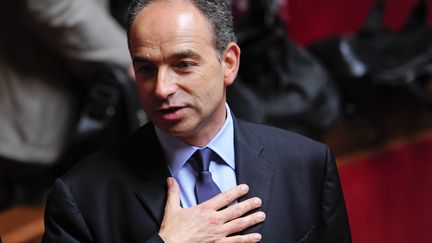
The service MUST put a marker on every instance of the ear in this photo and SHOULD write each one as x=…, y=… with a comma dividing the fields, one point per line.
x=231, y=63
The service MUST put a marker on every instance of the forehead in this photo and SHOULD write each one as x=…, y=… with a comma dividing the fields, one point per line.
x=170, y=23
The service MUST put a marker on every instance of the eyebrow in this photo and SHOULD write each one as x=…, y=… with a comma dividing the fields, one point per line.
x=186, y=54
x=177, y=55
x=138, y=59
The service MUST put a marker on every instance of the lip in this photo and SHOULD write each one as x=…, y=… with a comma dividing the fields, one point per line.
x=171, y=113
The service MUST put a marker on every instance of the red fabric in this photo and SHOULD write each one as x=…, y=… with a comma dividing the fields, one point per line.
x=309, y=20
x=389, y=195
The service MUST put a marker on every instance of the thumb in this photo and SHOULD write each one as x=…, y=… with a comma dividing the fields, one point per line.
x=173, y=200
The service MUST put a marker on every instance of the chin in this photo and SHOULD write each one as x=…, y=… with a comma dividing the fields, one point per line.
x=177, y=130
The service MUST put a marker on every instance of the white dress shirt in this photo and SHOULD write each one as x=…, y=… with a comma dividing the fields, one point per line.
x=177, y=154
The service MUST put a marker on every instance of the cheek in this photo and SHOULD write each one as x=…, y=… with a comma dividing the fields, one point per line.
x=216, y=85
x=144, y=91
x=210, y=80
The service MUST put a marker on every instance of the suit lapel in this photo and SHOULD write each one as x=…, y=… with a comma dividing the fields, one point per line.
x=149, y=162
x=251, y=168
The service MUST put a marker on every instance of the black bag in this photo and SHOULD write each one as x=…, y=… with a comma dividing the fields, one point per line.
x=376, y=58
x=110, y=111
x=280, y=83
x=112, y=105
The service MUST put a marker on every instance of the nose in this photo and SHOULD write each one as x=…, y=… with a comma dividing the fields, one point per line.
x=165, y=84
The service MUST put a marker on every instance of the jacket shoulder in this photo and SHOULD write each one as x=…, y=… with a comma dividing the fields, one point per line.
x=276, y=136
x=284, y=149
x=114, y=160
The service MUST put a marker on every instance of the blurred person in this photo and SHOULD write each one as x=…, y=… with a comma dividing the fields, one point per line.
x=196, y=173
x=47, y=47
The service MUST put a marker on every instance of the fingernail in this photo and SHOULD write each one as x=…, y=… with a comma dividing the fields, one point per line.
x=169, y=181
x=244, y=188
x=257, y=201
x=261, y=215
x=257, y=237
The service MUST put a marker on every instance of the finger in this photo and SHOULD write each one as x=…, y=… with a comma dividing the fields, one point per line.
x=249, y=238
x=239, y=209
x=240, y=224
x=173, y=199
x=223, y=199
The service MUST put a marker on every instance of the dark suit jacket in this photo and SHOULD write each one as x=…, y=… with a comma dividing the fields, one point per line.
x=119, y=194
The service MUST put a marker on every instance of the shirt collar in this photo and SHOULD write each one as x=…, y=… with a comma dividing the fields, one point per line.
x=178, y=152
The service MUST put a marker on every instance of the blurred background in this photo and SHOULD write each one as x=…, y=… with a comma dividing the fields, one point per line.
x=354, y=74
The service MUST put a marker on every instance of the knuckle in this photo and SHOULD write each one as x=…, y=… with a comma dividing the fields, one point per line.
x=243, y=208
x=241, y=224
x=255, y=219
x=254, y=238
x=238, y=189
x=255, y=202
x=215, y=219
x=243, y=239
x=227, y=198
x=205, y=208
x=259, y=216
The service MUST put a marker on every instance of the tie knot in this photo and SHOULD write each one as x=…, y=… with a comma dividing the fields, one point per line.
x=202, y=158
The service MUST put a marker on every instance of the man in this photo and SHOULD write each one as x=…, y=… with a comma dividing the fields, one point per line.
x=276, y=186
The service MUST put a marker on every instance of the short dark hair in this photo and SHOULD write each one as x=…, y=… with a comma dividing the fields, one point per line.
x=218, y=12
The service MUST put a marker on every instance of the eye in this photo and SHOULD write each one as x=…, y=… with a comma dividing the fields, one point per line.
x=184, y=64
x=147, y=69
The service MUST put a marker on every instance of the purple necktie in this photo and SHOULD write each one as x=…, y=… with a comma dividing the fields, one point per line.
x=205, y=187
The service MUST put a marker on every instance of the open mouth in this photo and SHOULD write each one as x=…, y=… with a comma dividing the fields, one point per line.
x=169, y=110
x=171, y=113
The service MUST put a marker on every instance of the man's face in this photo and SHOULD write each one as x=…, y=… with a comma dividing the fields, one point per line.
x=180, y=79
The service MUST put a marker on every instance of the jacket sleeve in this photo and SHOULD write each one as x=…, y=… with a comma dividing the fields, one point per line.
x=64, y=221
x=82, y=32
x=335, y=225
